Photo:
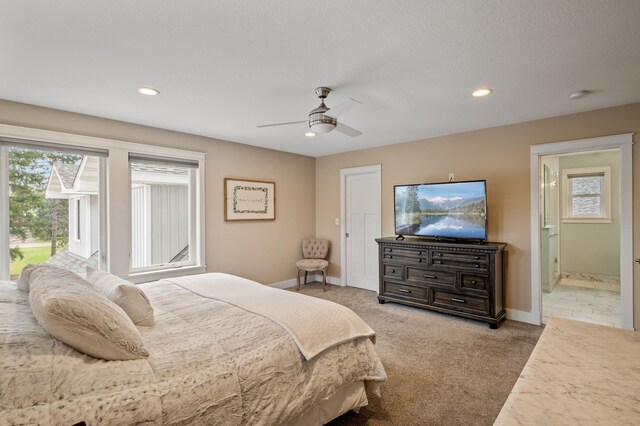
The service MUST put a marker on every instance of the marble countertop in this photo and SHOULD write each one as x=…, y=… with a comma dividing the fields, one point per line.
x=578, y=374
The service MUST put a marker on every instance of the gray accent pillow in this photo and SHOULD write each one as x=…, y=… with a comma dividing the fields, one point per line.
x=73, y=312
x=23, y=279
x=128, y=296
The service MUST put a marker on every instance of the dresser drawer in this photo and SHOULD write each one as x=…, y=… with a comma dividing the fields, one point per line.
x=392, y=271
x=460, y=256
x=478, y=283
x=432, y=277
x=406, y=291
x=405, y=251
x=460, y=302
x=416, y=257
x=478, y=261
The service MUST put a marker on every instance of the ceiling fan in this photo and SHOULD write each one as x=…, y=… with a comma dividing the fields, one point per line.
x=324, y=119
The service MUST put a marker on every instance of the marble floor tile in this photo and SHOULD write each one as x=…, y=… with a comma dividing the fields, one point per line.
x=593, y=302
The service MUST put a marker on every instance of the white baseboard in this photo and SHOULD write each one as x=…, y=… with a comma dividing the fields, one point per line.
x=284, y=284
x=523, y=316
x=330, y=280
x=310, y=278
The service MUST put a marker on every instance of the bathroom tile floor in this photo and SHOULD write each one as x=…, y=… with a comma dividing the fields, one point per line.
x=597, y=303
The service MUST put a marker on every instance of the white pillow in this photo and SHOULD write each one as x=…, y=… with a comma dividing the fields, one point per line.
x=128, y=296
x=72, y=311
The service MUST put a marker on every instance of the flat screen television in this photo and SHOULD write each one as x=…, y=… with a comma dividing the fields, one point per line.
x=451, y=210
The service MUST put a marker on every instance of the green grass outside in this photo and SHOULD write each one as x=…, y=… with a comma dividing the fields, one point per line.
x=31, y=255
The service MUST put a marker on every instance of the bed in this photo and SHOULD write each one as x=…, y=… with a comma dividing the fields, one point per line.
x=211, y=362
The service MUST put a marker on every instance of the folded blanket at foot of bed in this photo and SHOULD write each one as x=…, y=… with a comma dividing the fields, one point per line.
x=315, y=325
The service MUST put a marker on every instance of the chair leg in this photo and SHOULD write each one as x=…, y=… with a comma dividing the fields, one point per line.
x=305, y=277
x=324, y=280
x=298, y=278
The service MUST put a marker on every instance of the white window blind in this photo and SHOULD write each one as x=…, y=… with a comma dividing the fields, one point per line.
x=587, y=194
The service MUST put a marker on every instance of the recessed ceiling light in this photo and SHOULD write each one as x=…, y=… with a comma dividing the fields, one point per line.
x=149, y=91
x=482, y=91
x=579, y=94
x=309, y=134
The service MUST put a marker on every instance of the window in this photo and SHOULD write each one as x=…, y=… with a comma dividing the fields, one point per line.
x=163, y=207
x=44, y=214
x=168, y=183
x=586, y=195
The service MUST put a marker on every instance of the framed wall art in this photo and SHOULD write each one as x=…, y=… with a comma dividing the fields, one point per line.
x=249, y=200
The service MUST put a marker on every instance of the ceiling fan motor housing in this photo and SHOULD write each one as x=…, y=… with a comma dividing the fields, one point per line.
x=318, y=122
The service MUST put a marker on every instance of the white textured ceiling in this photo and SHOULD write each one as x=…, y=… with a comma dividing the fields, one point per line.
x=223, y=67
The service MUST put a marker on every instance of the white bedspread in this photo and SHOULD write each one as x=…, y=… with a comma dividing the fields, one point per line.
x=210, y=363
x=315, y=325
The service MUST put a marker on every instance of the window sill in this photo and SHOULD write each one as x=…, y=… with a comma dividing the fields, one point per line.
x=586, y=220
x=144, y=277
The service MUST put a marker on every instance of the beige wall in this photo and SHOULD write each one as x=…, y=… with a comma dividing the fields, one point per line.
x=501, y=156
x=592, y=248
x=265, y=251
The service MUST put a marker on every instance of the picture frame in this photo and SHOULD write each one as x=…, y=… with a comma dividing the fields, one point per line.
x=246, y=199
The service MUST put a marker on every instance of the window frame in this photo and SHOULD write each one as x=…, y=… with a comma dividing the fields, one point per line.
x=116, y=244
x=193, y=201
x=605, y=195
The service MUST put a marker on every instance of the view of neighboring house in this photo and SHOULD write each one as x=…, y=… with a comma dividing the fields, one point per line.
x=160, y=213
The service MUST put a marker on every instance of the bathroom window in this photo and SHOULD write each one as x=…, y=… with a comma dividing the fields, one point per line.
x=587, y=195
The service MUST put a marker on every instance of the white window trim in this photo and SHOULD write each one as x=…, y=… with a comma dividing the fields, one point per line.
x=193, y=190
x=605, y=195
x=118, y=242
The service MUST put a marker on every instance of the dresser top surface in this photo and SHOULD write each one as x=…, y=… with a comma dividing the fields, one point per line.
x=413, y=241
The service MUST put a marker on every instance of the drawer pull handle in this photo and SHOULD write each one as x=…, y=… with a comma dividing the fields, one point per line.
x=477, y=266
x=402, y=290
x=419, y=253
x=453, y=299
x=477, y=257
x=474, y=282
x=388, y=256
x=439, y=254
x=439, y=262
x=393, y=271
x=388, y=250
x=420, y=260
x=433, y=277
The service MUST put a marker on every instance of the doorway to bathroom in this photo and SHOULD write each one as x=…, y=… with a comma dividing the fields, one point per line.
x=580, y=236
x=581, y=231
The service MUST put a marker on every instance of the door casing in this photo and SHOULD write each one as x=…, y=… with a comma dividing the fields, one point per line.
x=624, y=143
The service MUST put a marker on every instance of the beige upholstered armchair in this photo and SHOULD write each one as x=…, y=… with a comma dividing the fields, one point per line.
x=315, y=252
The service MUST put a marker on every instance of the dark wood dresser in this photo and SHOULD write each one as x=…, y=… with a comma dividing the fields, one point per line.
x=455, y=278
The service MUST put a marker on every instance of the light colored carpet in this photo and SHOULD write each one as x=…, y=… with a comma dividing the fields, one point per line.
x=442, y=370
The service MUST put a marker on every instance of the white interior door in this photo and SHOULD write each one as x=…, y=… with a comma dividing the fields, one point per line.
x=362, y=199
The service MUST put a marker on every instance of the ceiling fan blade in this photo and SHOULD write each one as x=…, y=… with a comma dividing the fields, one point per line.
x=282, y=124
x=343, y=107
x=349, y=131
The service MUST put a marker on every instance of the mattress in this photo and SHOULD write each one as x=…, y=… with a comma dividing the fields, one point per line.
x=211, y=363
